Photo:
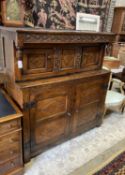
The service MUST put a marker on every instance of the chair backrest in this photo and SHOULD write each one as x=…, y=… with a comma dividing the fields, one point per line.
x=121, y=56
x=114, y=81
x=110, y=78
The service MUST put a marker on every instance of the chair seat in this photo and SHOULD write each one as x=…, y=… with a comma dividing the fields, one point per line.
x=114, y=98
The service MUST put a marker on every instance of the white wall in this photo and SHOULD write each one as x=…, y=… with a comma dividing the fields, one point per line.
x=120, y=3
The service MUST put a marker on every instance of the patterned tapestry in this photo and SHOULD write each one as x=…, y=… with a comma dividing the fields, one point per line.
x=96, y=7
x=55, y=14
x=61, y=14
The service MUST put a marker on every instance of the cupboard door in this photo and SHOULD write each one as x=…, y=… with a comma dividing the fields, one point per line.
x=50, y=116
x=90, y=97
x=69, y=58
x=92, y=57
x=38, y=60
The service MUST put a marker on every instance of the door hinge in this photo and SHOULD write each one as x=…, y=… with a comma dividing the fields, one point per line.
x=29, y=105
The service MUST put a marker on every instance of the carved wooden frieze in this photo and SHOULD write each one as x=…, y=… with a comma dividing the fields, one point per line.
x=25, y=38
x=78, y=57
x=57, y=60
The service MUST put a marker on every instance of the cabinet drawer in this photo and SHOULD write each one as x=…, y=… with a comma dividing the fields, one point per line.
x=10, y=153
x=11, y=165
x=12, y=139
x=9, y=126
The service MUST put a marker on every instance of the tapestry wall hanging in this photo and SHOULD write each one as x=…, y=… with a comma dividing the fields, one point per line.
x=61, y=14
x=52, y=14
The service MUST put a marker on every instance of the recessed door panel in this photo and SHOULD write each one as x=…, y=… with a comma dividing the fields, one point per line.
x=89, y=107
x=50, y=117
x=51, y=107
x=92, y=57
x=38, y=61
x=50, y=129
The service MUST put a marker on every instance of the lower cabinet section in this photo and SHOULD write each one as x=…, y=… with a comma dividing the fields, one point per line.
x=11, y=166
x=11, y=162
x=63, y=110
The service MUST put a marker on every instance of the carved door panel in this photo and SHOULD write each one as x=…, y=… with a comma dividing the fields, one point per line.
x=90, y=97
x=92, y=57
x=38, y=60
x=50, y=61
x=69, y=58
x=50, y=117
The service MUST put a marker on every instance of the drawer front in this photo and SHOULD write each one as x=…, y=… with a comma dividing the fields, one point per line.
x=9, y=126
x=59, y=60
x=12, y=139
x=11, y=165
x=10, y=153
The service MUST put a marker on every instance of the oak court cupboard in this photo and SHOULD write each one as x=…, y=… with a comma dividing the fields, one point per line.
x=56, y=78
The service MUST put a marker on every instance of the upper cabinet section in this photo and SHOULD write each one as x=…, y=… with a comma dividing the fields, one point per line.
x=36, y=54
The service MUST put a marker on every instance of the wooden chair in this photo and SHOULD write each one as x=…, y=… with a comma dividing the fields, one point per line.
x=115, y=101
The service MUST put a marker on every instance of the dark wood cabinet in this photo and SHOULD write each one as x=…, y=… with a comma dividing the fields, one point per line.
x=56, y=79
x=118, y=26
x=61, y=59
x=36, y=54
x=11, y=158
x=62, y=110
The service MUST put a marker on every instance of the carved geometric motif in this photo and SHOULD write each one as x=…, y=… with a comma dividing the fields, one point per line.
x=68, y=58
x=78, y=57
x=57, y=60
x=90, y=56
x=36, y=61
x=64, y=38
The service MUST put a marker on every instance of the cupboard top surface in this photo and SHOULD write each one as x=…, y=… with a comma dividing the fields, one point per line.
x=67, y=78
x=40, y=30
x=23, y=36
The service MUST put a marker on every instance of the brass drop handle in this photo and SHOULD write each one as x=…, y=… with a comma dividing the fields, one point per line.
x=77, y=110
x=49, y=57
x=11, y=140
x=69, y=114
x=12, y=164
x=11, y=152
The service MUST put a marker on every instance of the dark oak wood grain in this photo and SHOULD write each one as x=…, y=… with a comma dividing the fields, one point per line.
x=59, y=87
x=11, y=157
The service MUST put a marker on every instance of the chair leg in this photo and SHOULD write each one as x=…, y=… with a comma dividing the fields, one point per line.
x=104, y=113
x=123, y=107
